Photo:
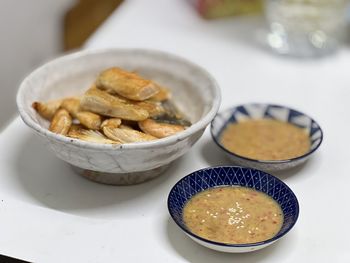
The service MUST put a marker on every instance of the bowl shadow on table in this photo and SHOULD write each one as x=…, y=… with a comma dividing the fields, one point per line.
x=193, y=252
x=213, y=155
x=57, y=186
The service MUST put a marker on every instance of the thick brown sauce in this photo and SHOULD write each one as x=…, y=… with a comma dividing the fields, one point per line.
x=265, y=139
x=234, y=215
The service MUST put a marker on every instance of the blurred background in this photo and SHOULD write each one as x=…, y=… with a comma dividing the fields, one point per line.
x=35, y=31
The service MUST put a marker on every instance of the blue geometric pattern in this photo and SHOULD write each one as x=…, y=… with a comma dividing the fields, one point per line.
x=277, y=112
x=233, y=176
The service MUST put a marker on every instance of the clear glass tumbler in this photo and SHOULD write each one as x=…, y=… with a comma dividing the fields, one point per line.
x=306, y=28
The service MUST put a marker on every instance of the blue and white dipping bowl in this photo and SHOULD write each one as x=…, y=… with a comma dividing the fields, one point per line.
x=271, y=111
x=204, y=179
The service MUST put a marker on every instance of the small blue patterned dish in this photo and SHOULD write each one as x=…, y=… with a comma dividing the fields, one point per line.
x=207, y=178
x=270, y=111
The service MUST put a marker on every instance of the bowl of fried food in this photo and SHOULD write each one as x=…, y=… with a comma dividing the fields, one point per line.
x=119, y=116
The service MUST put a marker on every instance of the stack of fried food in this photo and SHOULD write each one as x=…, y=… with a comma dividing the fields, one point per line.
x=120, y=107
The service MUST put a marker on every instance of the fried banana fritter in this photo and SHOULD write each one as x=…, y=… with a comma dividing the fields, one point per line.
x=61, y=122
x=89, y=119
x=163, y=95
x=103, y=103
x=72, y=105
x=112, y=123
x=47, y=109
x=127, y=135
x=78, y=132
x=126, y=84
x=159, y=129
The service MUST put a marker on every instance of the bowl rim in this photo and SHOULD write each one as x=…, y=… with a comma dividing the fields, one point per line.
x=305, y=155
x=199, y=125
x=265, y=242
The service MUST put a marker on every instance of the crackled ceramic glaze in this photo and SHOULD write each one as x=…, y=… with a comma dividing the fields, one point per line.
x=195, y=93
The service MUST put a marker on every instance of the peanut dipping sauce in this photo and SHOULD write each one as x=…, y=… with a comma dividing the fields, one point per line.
x=233, y=215
x=265, y=139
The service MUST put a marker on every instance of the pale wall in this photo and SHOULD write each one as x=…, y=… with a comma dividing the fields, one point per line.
x=30, y=32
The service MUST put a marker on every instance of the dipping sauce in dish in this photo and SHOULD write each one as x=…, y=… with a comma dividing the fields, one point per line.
x=233, y=215
x=265, y=139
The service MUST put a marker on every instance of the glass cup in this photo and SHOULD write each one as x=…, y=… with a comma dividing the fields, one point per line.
x=306, y=28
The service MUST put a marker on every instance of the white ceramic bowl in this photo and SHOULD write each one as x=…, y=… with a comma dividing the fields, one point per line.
x=195, y=93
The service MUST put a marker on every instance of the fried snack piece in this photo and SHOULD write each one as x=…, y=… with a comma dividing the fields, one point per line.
x=126, y=135
x=78, y=132
x=159, y=129
x=89, y=119
x=112, y=123
x=72, y=105
x=126, y=84
x=103, y=103
x=47, y=109
x=61, y=122
x=153, y=108
x=171, y=115
x=163, y=94
x=125, y=127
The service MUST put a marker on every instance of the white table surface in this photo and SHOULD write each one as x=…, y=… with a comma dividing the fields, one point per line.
x=50, y=214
